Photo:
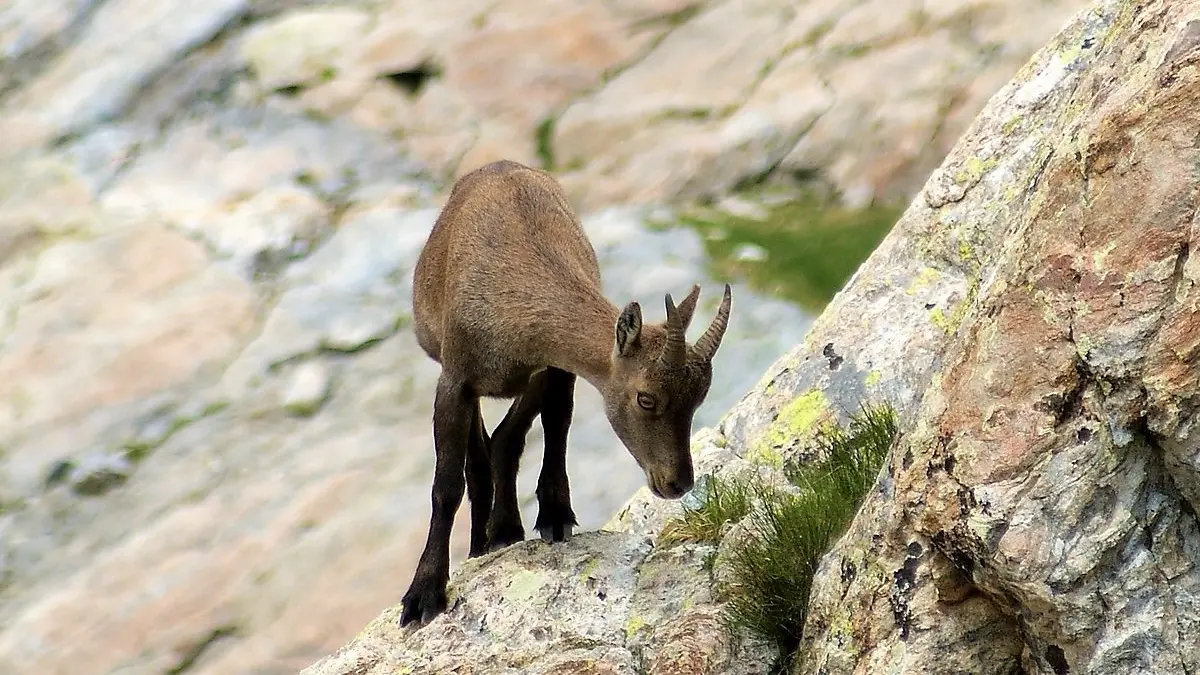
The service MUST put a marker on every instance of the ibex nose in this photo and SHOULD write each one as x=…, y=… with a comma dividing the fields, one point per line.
x=680, y=485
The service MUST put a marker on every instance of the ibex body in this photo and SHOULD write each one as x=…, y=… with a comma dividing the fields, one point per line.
x=507, y=298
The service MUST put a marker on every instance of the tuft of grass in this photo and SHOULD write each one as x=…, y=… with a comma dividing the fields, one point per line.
x=544, y=140
x=813, y=246
x=723, y=501
x=771, y=571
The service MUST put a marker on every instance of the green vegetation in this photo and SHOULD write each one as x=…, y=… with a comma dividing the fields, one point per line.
x=669, y=20
x=725, y=501
x=137, y=449
x=544, y=139
x=812, y=247
x=770, y=571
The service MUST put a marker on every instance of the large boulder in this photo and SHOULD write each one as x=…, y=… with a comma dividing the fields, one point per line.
x=1033, y=319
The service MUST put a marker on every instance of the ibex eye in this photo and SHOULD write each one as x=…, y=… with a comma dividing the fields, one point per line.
x=646, y=401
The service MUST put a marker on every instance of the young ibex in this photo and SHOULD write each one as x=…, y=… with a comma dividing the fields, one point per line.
x=507, y=298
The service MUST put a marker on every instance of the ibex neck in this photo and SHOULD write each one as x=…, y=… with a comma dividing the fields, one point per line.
x=583, y=338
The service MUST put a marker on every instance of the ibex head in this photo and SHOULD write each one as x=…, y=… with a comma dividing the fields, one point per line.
x=656, y=383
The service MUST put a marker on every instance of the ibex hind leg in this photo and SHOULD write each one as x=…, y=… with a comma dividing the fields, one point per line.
x=507, y=444
x=453, y=408
x=556, y=519
x=479, y=483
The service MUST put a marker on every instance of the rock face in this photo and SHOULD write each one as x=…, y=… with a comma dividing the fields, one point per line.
x=1033, y=318
x=1040, y=515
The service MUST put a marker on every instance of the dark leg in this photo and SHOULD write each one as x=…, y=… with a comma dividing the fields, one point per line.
x=452, y=419
x=479, y=483
x=556, y=519
x=507, y=445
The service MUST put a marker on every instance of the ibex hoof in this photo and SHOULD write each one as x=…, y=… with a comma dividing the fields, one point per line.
x=505, y=536
x=422, y=602
x=558, y=532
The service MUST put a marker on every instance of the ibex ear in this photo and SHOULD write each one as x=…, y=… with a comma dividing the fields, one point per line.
x=629, y=329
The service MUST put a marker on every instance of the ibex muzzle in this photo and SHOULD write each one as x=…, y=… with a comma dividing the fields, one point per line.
x=507, y=298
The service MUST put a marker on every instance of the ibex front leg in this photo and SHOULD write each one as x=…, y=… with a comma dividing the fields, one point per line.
x=453, y=408
x=556, y=519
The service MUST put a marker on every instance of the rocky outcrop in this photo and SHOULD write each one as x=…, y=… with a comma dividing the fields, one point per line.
x=1040, y=515
x=1033, y=319
x=609, y=603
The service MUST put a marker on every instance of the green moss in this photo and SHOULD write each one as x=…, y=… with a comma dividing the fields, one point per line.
x=1012, y=125
x=814, y=34
x=670, y=19
x=873, y=378
x=695, y=114
x=771, y=571
x=590, y=567
x=939, y=319
x=137, y=449
x=11, y=505
x=813, y=246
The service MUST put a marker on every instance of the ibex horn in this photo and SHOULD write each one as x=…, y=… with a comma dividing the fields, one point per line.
x=688, y=307
x=675, y=349
x=708, y=343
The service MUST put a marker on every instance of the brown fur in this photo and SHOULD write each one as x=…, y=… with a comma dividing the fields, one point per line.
x=507, y=298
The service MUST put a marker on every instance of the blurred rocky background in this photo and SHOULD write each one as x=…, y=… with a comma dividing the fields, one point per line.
x=215, y=449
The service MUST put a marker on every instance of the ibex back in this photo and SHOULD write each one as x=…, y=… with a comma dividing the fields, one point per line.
x=507, y=298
